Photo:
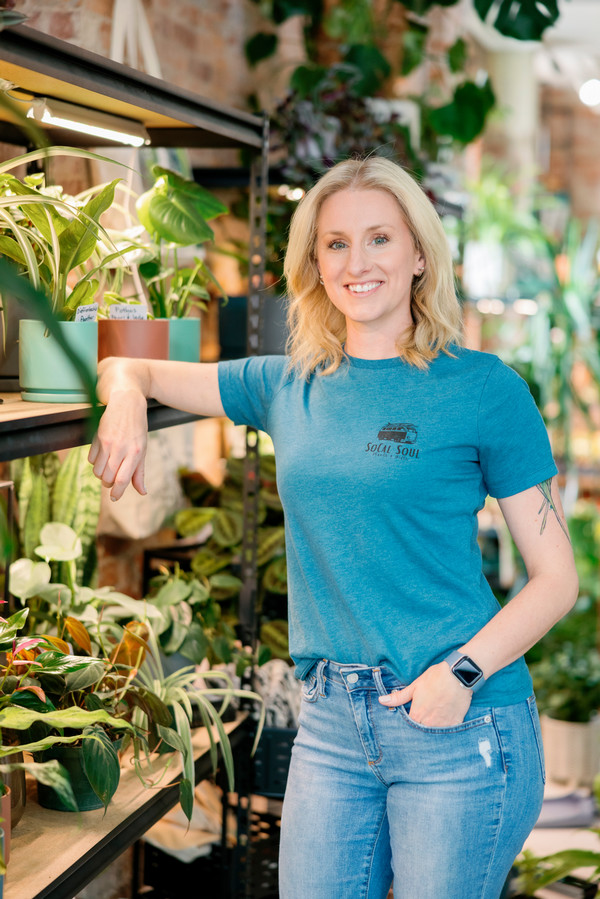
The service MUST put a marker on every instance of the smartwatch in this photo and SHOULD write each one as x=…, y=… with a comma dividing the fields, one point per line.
x=465, y=670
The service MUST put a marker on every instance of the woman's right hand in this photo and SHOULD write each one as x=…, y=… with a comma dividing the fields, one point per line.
x=118, y=450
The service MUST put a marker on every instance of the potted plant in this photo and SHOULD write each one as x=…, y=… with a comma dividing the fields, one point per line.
x=52, y=238
x=210, y=693
x=174, y=213
x=215, y=516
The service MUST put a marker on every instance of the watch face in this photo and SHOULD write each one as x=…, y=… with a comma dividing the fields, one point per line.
x=467, y=672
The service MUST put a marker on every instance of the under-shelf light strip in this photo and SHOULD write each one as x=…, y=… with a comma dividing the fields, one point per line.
x=88, y=121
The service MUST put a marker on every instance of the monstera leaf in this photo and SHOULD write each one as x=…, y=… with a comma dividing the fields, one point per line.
x=525, y=20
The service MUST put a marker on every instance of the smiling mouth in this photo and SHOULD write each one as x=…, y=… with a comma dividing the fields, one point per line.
x=363, y=288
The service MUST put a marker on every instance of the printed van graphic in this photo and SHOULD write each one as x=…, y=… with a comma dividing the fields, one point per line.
x=395, y=440
x=399, y=433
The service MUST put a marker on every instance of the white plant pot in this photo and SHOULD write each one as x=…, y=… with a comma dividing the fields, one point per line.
x=572, y=751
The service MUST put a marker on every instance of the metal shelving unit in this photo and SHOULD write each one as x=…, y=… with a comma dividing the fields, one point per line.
x=39, y=65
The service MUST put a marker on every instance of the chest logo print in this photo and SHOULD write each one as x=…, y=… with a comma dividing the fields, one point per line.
x=397, y=440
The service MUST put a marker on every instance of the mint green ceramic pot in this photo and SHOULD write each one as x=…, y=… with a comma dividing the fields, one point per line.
x=46, y=375
x=184, y=339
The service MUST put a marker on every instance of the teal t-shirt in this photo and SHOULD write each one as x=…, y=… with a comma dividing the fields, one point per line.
x=382, y=468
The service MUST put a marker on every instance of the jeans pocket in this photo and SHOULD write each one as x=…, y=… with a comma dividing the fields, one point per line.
x=537, y=730
x=475, y=717
x=310, y=688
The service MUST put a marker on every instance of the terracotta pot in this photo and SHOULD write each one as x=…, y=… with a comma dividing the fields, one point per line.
x=5, y=815
x=134, y=338
x=15, y=781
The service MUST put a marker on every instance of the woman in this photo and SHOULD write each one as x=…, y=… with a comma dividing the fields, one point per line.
x=418, y=756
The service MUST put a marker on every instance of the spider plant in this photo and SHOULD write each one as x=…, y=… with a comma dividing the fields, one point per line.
x=53, y=238
x=180, y=692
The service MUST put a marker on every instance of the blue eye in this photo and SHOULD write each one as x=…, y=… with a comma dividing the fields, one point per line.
x=337, y=245
x=380, y=240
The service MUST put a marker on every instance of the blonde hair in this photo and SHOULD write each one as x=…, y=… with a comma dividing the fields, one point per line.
x=317, y=329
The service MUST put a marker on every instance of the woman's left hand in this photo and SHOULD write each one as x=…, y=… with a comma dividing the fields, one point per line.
x=436, y=696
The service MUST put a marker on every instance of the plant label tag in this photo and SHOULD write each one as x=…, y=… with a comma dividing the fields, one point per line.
x=128, y=311
x=86, y=313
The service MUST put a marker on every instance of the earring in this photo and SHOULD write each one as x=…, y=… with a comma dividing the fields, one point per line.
x=321, y=280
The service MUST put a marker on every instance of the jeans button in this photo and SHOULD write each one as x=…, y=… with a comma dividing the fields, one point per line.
x=352, y=678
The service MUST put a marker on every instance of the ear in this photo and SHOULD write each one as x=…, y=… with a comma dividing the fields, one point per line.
x=419, y=266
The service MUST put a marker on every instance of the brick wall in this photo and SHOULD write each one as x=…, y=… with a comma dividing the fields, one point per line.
x=572, y=131
x=199, y=43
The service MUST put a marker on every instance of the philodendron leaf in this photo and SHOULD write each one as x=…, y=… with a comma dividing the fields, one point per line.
x=9, y=628
x=76, y=719
x=27, y=578
x=101, y=764
x=84, y=677
x=171, y=738
x=50, y=773
x=208, y=205
x=178, y=220
x=59, y=543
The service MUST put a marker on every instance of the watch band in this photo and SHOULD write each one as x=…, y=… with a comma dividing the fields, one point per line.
x=465, y=670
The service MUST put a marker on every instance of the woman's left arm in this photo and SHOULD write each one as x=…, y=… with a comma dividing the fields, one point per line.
x=536, y=521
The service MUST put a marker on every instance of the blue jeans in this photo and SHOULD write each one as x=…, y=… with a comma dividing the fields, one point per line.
x=372, y=796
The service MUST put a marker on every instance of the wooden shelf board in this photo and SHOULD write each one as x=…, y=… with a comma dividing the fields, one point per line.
x=54, y=854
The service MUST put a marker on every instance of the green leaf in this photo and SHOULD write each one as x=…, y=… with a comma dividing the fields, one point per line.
x=208, y=206
x=196, y=644
x=10, y=627
x=84, y=677
x=191, y=521
x=228, y=528
x=260, y=46
x=177, y=220
x=51, y=774
x=372, y=66
x=457, y=55
x=171, y=738
x=413, y=47
x=525, y=20
x=9, y=247
x=75, y=719
x=101, y=764
x=224, y=586
x=305, y=79
x=172, y=593
x=78, y=240
x=464, y=117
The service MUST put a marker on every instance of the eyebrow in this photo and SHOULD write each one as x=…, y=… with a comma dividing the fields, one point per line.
x=370, y=228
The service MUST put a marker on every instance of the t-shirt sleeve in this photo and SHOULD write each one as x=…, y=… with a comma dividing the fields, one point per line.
x=248, y=386
x=514, y=449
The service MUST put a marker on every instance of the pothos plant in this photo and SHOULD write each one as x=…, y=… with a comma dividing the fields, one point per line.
x=175, y=213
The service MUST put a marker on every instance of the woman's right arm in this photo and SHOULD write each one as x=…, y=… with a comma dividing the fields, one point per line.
x=119, y=448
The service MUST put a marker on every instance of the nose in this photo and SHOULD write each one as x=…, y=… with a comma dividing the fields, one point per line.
x=358, y=260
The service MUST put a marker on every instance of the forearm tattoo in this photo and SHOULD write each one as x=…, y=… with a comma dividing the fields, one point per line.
x=545, y=489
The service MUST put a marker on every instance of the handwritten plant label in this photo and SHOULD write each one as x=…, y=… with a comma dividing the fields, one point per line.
x=127, y=311
x=86, y=313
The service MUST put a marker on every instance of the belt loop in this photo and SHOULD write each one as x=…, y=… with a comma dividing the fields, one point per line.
x=379, y=681
x=321, y=676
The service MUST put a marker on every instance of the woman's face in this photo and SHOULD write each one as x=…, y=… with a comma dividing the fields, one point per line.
x=367, y=260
